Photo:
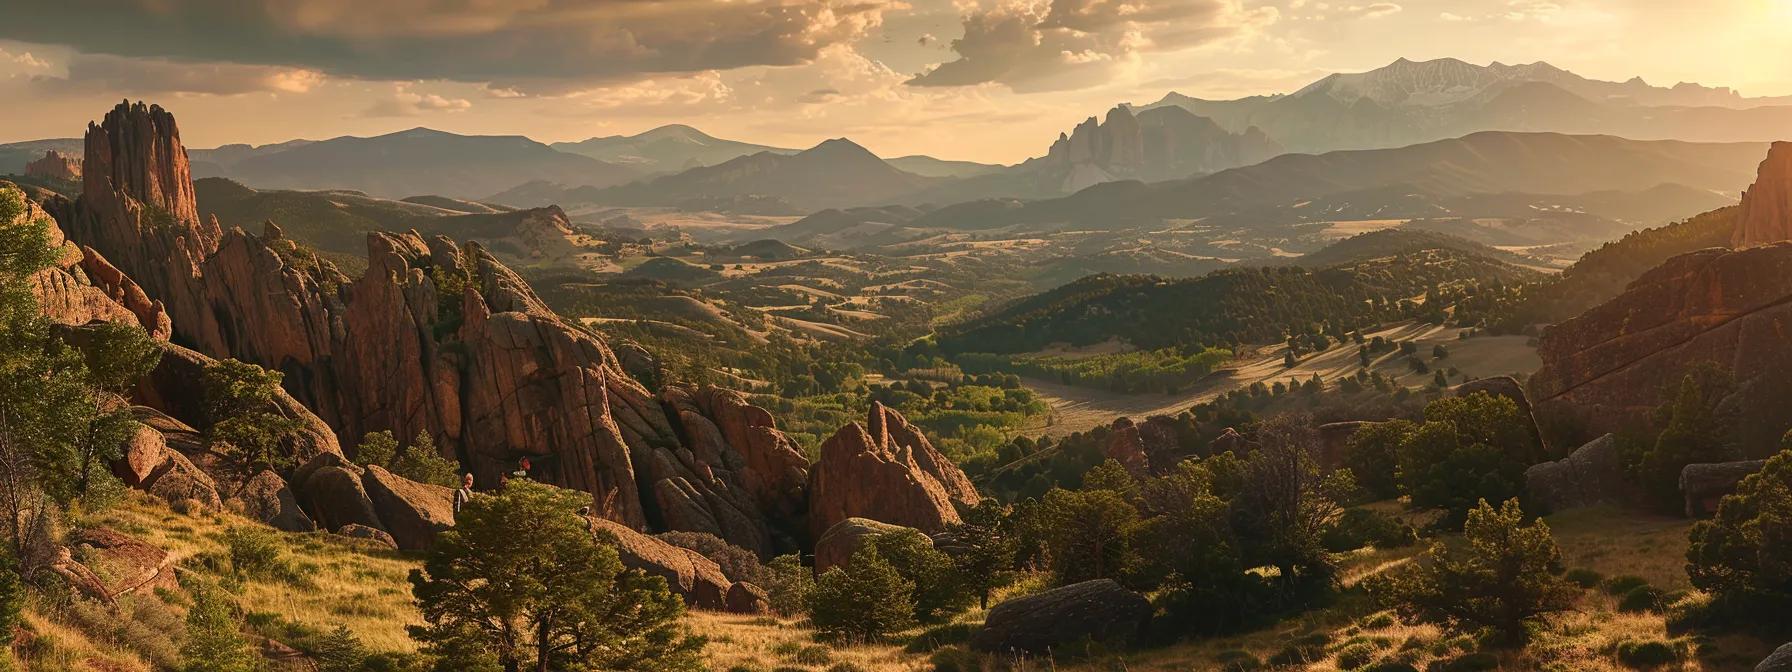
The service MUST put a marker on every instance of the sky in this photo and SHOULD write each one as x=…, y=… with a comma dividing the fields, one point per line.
x=981, y=80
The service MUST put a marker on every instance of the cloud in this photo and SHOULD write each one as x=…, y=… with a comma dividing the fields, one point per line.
x=24, y=59
x=1379, y=9
x=406, y=103
x=550, y=46
x=1071, y=44
x=112, y=74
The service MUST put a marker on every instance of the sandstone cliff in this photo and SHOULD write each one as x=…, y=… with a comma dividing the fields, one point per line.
x=1163, y=143
x=55, y=166
x=1767, y=206
x=434, y=337
x=885, y=470
x=1607, y=367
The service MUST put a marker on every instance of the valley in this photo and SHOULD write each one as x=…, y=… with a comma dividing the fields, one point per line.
x=1436, y=366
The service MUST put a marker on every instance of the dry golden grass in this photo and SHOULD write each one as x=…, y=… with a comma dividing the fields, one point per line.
x=763, y=643
x=347, y=582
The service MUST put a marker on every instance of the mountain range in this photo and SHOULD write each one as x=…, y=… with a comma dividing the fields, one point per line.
x=1490, y=162
x=1409, y=102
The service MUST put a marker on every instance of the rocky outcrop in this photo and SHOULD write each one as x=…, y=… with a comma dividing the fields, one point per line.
x=413, y=512
x=746, y=598
x=697, y=579
x=334, y=496
x=124, y=564
x=82, y=287
x=1779, y=661
x=1592, y=474
x=1606, y=368
x=1509, y=387
x=887, y=471
x=1127, y=447
x=55, y=166
x=838, y=543
x=735, y=476
x=1229, y=441
x=267, y=498
x=441, y=337
x=176, y=387
x=1767, y=206
x=376, y=536
x=1704, y=485
x=1098, y=611
x=179, y=480
x=1163, y=143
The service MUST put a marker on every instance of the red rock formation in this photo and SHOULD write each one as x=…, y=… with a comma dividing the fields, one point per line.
x=886, y=471
x=481, y=364
x=55, y=166
x=736, y=477
x=1128, y=448
x=1607, y=367
x=697, y=579
x=82, y=287
x=1767, y=206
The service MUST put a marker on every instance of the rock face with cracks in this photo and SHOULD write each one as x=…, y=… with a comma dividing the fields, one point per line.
x=885, y=470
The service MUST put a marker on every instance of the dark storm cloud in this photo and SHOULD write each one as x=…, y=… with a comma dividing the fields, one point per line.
x=527, y=45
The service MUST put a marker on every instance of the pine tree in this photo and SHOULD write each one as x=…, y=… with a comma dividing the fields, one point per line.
x=862, y=602
x=215, y=641
x=1502, y=577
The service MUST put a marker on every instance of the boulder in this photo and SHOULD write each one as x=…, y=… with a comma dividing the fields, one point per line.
x=697, y=579
x=1228, y=441
x=887, y=471
x=837, y=545
x=358, y=531
x=1778, y=661
x=1038, y=624
x=178, y=479
x=124, y=564
x=746, y=598
x=267, y=498
x=413, y=512
x=335, y=497
x=1704, y=485
x=143, y=452
x=1592, y=474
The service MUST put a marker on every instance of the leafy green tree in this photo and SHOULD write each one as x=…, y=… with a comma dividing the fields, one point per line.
x=788, y=584
x=1469, y=449
x=1695, y=427
x=1501, y=576
x=1188, y=549
x=339, y=650
x=1088, y=534
x=215, y=641
x=1739, y=556
x=939, y=592
x=1370, y=455
x=379, y=448
x=864, y=601
x=55, y=426
x=983, y=548
x=239, y=403
x=423, y=463
x=1280, y=510
x=420, y=461
x=522, y=577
